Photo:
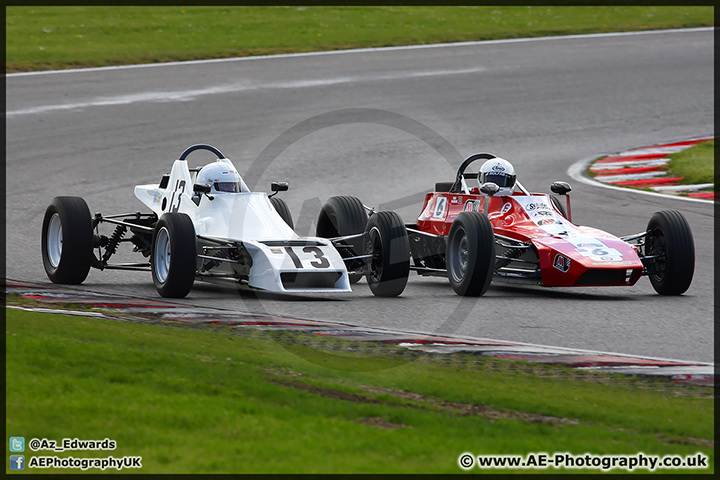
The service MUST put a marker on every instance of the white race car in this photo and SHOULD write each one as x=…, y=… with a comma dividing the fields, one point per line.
x=207, y=224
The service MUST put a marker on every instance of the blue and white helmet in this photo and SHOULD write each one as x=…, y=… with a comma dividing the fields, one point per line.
x=221, y=177
x=499, y=172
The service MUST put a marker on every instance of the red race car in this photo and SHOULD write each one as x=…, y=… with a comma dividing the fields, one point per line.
x=496, y=228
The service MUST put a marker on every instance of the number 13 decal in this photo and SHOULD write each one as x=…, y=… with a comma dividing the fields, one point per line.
x=179, y=190
x=318, y=262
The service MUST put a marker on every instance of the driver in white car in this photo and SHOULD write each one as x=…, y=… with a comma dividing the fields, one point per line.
x=221, y=177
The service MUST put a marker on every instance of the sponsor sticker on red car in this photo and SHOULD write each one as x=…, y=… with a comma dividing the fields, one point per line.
x=562, y=263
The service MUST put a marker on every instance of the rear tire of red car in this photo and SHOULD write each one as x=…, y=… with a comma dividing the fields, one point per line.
x=669, y=236
x=341, y=216
x=174, y=257
x=67, y=240
x=470, y=254
x=282, y=209
x=386, y=239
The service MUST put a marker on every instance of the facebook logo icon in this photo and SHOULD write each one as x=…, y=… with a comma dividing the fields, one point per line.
x=17, y=462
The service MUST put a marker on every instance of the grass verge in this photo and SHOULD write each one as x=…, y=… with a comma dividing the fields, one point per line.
x=45, y=37
x=695, y=164
x=229, y=400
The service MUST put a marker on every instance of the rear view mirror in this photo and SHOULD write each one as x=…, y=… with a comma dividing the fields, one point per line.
x=489, y=188
x=201, y=188
x=561, y=188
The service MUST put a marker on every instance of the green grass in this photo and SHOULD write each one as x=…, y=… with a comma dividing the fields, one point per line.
x=61, y=37
x=696, y=164
x=227, y=400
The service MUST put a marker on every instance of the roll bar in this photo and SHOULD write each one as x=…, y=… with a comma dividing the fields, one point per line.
x=201, y=146
x=461, y=169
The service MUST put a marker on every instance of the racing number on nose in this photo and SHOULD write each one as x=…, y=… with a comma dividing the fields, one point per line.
x=321, y=261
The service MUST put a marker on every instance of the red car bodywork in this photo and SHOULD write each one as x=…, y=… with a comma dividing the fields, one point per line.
x=567, y=254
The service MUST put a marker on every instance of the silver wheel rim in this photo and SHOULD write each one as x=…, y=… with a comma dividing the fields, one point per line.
x=460, y=253
x=54, y=240
x=161, y=257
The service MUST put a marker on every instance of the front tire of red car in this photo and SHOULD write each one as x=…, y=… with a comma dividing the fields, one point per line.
x=670, y=239
x=558, y=206
x=470, y=254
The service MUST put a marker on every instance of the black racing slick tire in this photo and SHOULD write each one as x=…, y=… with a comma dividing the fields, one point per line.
x=559, y=206
x=669, y=237
x=443, y=186
x=342, y=216
x=173, y=260
x=386, y=239
x=282, y=209
x=470, y=254
x=67, y=240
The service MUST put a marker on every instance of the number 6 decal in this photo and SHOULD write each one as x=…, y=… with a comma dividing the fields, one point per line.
x=318, y=262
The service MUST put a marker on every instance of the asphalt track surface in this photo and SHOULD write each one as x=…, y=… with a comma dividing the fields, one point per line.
x=384, y=126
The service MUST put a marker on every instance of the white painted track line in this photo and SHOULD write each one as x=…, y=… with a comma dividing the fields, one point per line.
x=364, y=50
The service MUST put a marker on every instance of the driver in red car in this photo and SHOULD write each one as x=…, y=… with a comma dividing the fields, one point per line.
x=499, y=172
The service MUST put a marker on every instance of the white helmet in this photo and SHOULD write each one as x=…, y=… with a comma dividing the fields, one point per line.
x=500, y=172
x=221, y=177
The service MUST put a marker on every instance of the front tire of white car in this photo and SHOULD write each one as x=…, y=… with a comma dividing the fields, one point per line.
x=470, y=254
x=342, y=216
x=67, y=240
x=282, y=209
x=386, y=239
x=173, y=259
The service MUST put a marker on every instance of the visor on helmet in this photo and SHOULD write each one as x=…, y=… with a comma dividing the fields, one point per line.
x=500, y=179
x=229, y=187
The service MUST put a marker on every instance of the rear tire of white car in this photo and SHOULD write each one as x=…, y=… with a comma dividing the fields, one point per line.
x=174, y=257
x=341, y=216
x=282, y=209
x=470, y=254
x=386, y=239
x=669, y=235
x=67, y=240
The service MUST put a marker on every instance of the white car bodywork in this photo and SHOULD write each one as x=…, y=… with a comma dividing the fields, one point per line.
x=282, y=261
